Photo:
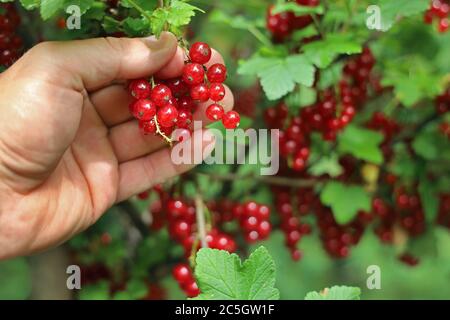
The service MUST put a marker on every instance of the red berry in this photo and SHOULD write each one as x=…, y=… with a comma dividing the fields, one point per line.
x=144, y=110
x=184, y=118
x=443, y=25
x=182, y=273
x=264, y=229
x=200, y=93
x=140, y=89
x=193, y=74
x=200, y=53
x=191, y=289
x=178, y=87
x=216, y=91
x=147, y=127
x=231, y=120
x=296, y=255
x=186, y=103
x=214, y=112
x=167, y=116
x=161, y=95
x=181, y=229
x=217, y=73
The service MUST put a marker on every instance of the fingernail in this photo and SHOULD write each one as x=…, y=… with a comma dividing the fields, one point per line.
x=166, y=41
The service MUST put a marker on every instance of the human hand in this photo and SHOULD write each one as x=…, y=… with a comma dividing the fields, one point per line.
x=69, y=149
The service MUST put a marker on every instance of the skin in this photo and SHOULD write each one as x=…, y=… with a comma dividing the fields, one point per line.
x=69, y=149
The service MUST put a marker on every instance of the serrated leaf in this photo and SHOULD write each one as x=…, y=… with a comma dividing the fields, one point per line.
x=30, y=4
x=50, y=7
x=326, y=165
x=361, y=143
x=159, y=20
x=84, y=5
x=323, y=52
x=432, y=145
x=221, y=276
x=392, y=10
x=345, y=200
x=279, y=76
x=180, y=13
x=336, y=293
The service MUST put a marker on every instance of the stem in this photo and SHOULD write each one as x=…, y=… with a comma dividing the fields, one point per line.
x=201, y=225
x=162, y=134
x=141, y=10
x=161, y=3
x=260, y=36
x=273, y=180
x=134, y=216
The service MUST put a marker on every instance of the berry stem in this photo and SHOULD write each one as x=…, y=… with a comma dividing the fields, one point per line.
x=141, y=10
x=200, y=216
x=162, y=134
x=260, y=36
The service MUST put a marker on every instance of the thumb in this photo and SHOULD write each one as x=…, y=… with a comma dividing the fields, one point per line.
x=94, y=63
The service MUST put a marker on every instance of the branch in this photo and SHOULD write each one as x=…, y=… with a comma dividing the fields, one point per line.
x=200, y=215
x=273, y=180
x=134, y=216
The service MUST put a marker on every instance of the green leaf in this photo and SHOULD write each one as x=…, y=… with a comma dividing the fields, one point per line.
x=432, y=145
x=336, y=293
x=136, y=26
x=361, y=143
x=50, y=7
x=30, y=4
x=322, y=53
x=221, y=276
x=159, y=19
x=392, y=10
x=96, y=291
x=84, y=5
x=15, y=279
x=326, y=165
x=179, y=13
x=429, y=198
x=279, y=76
x=303, y=97
x=345, y=200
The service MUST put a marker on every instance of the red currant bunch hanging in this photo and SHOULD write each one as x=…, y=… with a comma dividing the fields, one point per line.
x=183, y=275
x=161, y=106
x=439, y=10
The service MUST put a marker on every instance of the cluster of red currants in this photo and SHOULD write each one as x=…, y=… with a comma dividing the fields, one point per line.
x=330, y=114
x=439, y=10
x=11, y=44
x=254, y=220
x=183, y=275
x=162, y=106
x=290, y=223
x=281, y=25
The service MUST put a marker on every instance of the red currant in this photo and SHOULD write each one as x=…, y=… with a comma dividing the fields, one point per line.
x=144, y=110
x=214, y=112
x=216, y=91
x=193, y=74
x=200, y=53
x=161, y=95
x=231, y=120
x=167, y=116
x=200, y=93
x=217, y=73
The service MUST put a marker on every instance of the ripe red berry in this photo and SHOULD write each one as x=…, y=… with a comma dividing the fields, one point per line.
x=200, y=53
x=186, y=103
x=182, y=273
x=191, y=289
x=214, y=112
x=178, y=87
x=443, y=25
x=193, y=74
x=147, y=127
x=167, y=116
x=217, y=73
x=216, y=91
x=161, y=95
x=140, y=89
x=200, y=93
x=144, y=110
x=184, y=118
x=231, y=120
